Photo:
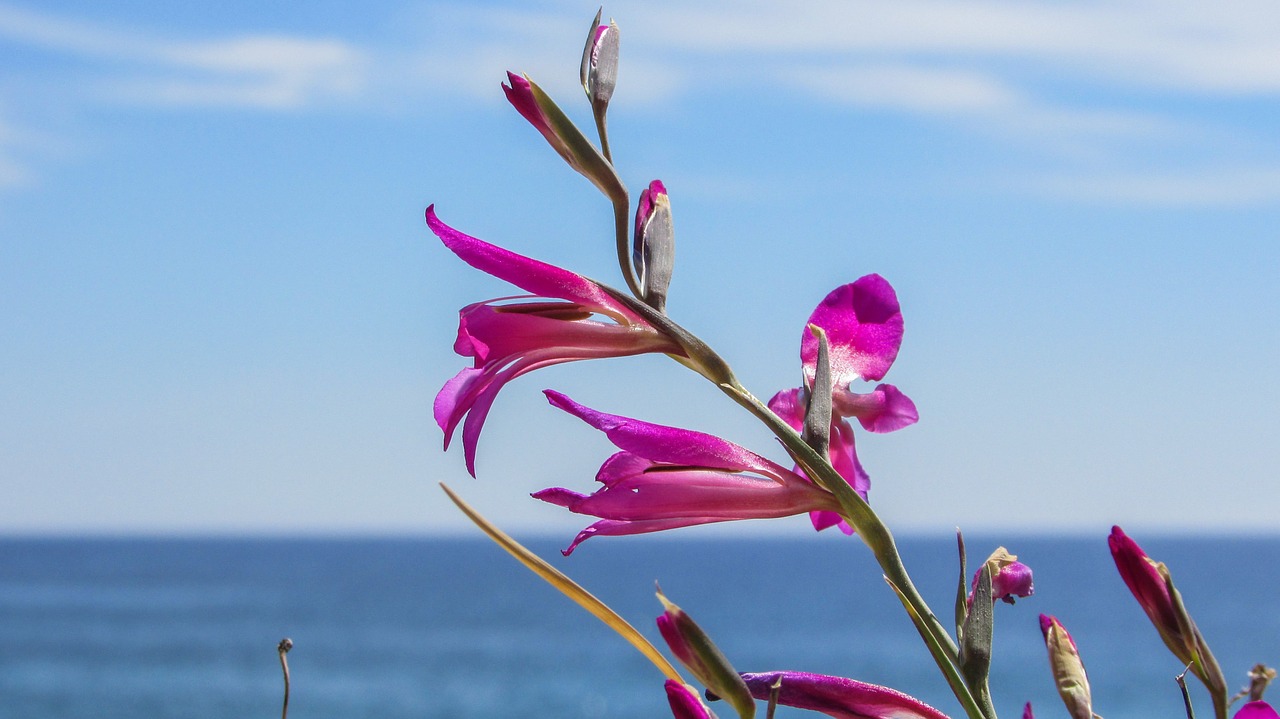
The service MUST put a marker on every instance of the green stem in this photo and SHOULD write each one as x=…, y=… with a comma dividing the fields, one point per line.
x=603, y=132
x=876, y=536
x=620, y=230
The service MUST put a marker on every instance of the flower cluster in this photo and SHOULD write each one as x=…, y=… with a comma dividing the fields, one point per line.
x=663, y=477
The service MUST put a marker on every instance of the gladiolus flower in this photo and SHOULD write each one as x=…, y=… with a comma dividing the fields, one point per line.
x=1026, y=712
x=565, y=318
x=666, y=477
x=839, y=697
x=1009, y=577
x=863, y=326
x=1068, y=669
x=1256, y=710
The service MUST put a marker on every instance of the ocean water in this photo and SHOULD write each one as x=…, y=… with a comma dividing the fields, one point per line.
x=393, y=628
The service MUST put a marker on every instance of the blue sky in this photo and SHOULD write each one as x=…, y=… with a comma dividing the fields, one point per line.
x=222, y=311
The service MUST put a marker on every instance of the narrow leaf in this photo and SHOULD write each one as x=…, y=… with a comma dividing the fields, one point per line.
x=568, y=587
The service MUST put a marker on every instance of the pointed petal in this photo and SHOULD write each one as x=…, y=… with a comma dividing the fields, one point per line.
x=670, y=445
x=839, y=697
x=618, y=528
x=531, y=275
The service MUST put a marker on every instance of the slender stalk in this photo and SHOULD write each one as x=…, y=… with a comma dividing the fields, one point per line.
x=622, y=234
x=1186, y=696
x=282, y=649
x=603, y=132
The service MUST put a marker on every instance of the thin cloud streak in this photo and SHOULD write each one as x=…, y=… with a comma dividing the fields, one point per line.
x=272, y=72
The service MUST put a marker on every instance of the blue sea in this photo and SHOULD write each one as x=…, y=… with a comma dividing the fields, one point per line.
x=393, y=628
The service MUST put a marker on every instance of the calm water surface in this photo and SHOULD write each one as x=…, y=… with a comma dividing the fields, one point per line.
x=387, y=628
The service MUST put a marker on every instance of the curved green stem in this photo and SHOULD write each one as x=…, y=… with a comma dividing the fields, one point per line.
x=622, y=236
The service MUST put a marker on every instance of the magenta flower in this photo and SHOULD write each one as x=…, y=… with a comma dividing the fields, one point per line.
x=666, y=477
x=1256, y=710
x=839, y=697
x=863, y=324
x=685, y=703
x=1009, y=577
x=565, y=318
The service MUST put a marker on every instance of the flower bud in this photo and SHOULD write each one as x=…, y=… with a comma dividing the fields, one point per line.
x=654, y=248
x=600, y=63
x=695, y=650
x=563, y=136
x=1068, y=670
x=1152, y=585
x=685, y=703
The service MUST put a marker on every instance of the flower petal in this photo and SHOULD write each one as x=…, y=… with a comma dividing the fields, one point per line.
x=1256, y=710
x=534, y=276
x=685, y=703
x=670, y=445
x=840, y=697
x=885, y=409
x=863, y=323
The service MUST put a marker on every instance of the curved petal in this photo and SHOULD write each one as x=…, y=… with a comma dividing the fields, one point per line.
x=618, y=528
x=839, y=697
x=885, y=409
x=670, y=445
x=863, y=323
x=539, y=278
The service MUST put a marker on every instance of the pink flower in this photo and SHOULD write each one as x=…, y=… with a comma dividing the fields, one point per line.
x=863, y=324
x=839, y=697
x=1009, y=577
x=565, y=317
x=666, y=477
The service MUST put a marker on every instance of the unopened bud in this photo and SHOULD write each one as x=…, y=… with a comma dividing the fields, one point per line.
x=600, y=63
x=1068, y=669
x=654, y=249
x=700, y=656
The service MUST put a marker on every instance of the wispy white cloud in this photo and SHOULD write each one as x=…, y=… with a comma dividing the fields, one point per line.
x=1215, y=187
x=254, y=71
